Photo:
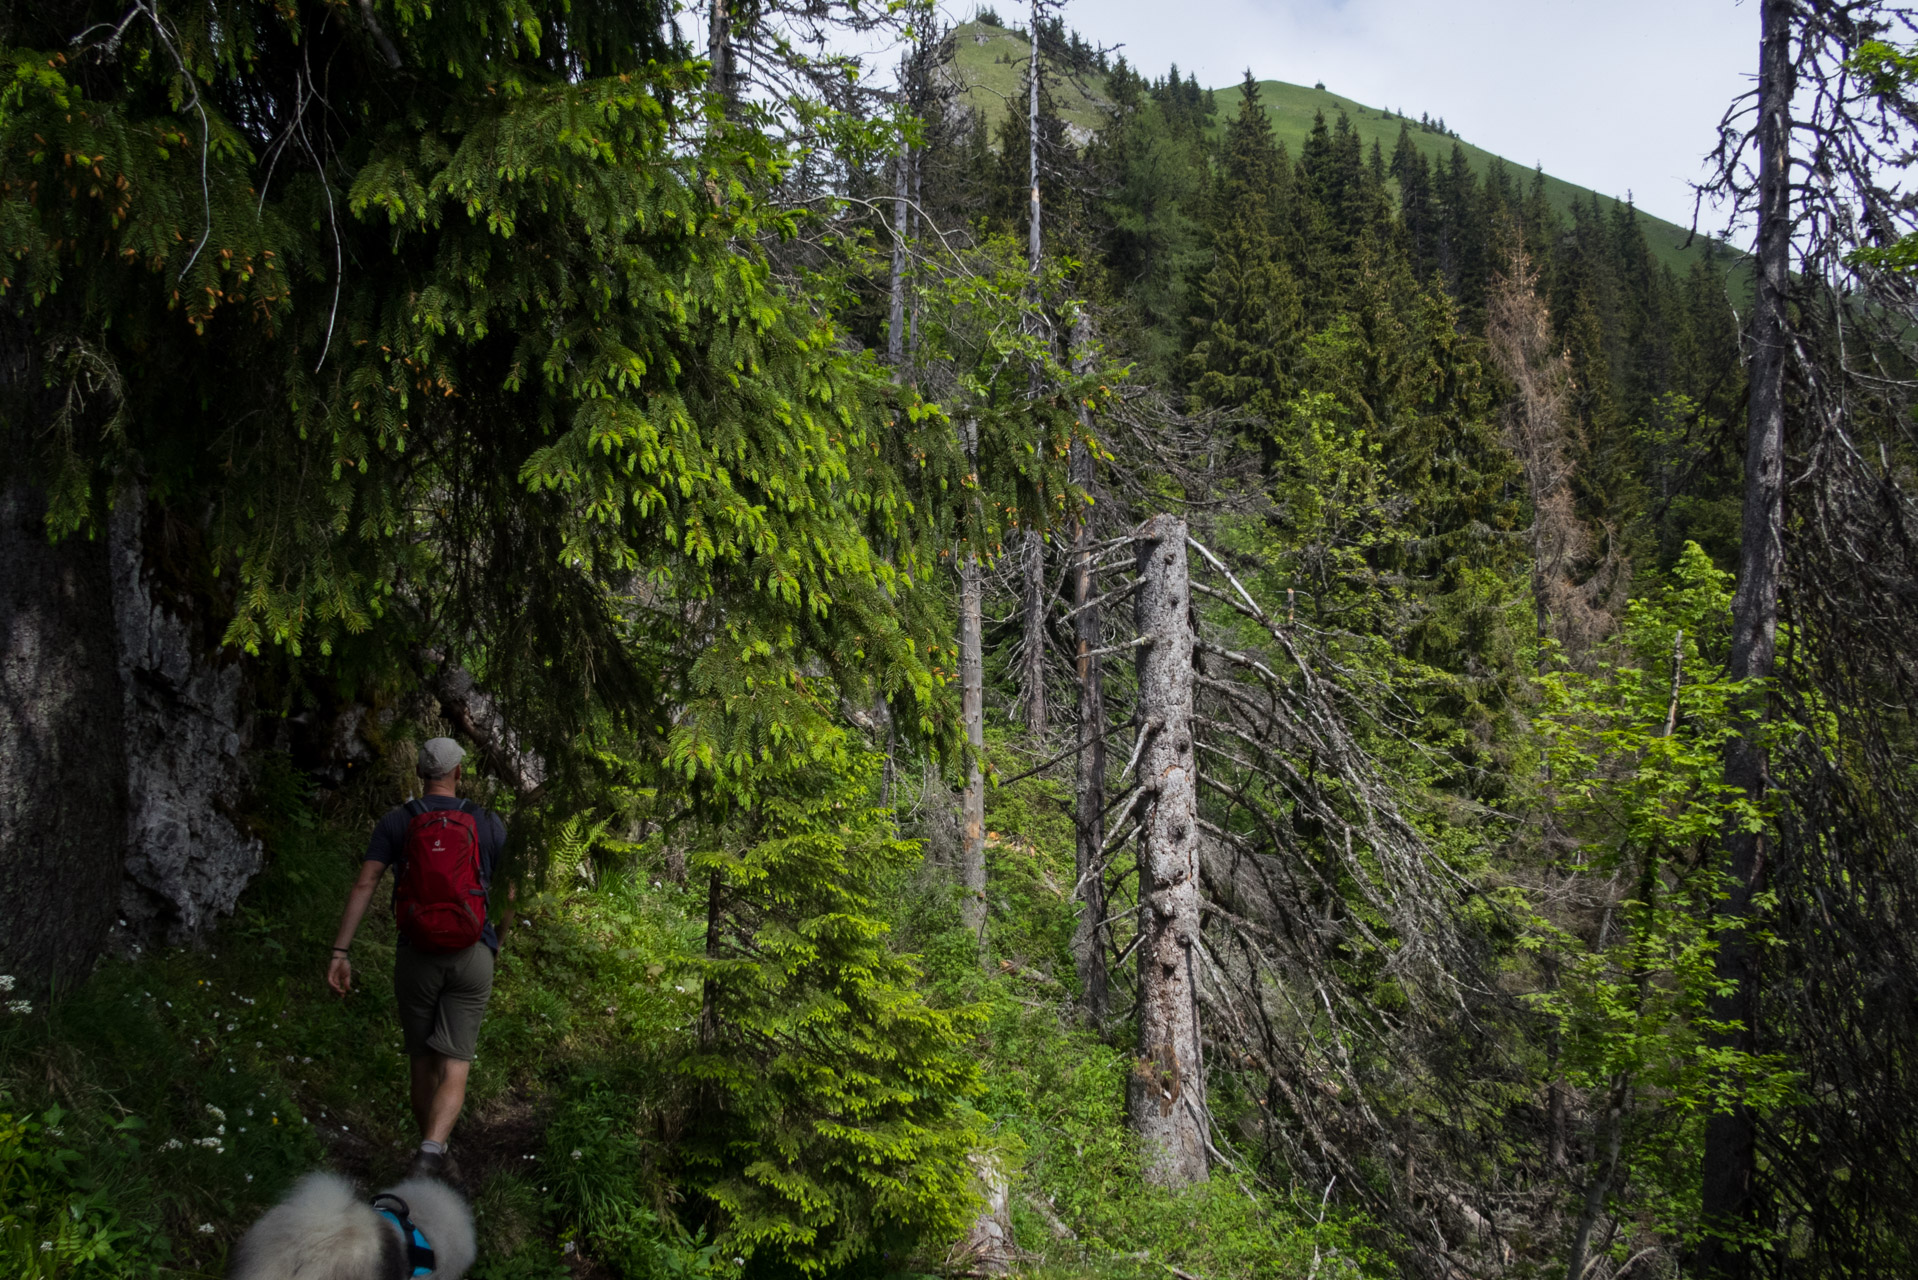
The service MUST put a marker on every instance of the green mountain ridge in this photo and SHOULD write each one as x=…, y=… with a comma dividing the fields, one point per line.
x=989, y=68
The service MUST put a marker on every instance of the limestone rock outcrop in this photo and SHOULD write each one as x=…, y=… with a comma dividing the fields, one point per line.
x=185, y=724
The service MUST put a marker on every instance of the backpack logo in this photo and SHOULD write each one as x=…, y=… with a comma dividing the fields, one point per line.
x=434, y=899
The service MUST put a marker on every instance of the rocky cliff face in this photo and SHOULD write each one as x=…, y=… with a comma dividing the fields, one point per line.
x=120, y=753
x=185, y=723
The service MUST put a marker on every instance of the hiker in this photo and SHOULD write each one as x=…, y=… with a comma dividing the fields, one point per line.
x=446, y=849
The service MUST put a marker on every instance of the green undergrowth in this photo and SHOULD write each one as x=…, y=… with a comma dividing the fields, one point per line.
x=149, y=1114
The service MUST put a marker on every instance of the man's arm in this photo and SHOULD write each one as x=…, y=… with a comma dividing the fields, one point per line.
x=339, y=973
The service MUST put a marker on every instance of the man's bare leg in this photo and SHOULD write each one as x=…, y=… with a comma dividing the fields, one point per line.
x=439, y=1091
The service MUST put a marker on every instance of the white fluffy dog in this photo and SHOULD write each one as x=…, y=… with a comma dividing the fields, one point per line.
x=323, y=1230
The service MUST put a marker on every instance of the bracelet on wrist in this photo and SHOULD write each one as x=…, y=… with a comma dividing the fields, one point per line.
x=340, y=951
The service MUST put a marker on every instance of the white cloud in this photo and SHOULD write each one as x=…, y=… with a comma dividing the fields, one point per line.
x=1620, y=96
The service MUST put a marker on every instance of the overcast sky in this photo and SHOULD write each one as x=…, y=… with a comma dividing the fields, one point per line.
x=1617, y=95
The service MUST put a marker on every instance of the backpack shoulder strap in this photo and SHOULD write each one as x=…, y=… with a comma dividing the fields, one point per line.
x=414, y=807
x=471, y=810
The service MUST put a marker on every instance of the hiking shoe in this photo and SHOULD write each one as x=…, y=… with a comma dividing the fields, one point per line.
x=428, y=1164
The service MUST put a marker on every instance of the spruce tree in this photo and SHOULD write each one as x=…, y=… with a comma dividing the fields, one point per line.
x=1249, y=312
x=1418, y=211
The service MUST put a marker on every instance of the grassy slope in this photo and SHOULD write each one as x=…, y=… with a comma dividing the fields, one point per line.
x=991, y=66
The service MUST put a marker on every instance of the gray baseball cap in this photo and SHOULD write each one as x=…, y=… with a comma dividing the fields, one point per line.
x=439, y=757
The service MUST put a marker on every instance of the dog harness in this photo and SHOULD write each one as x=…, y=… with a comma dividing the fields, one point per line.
x=419, y=1250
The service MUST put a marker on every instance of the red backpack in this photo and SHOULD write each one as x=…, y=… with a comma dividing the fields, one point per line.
x=440, y=898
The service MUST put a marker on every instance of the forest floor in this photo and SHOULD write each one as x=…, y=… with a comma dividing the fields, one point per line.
x=150, y=1113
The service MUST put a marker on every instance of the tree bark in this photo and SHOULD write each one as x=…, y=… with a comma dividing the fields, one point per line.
x=1089, y=934
x=1032, y=668
x=896, y=318
x=1167, y=1086
x=918, y=203
x=719, y=52
x=972, y=705
x=1729, y=1192
x=63, y=766
x=1605, y=1172
x=1032, y=662
x=1033, y=241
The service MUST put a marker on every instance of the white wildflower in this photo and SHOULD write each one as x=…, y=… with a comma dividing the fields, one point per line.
x=576, y=1153
x=46, y=1246
x=215, y=1112
x=206, y=1228
x=19, y=1006
x=6, y=982
x=171, y=1144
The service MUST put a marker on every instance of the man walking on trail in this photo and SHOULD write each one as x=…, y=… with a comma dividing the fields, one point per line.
x=446, y=850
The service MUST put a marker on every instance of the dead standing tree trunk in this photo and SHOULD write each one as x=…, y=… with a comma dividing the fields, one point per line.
x=1088, y=937
x=972, y=709
x=1032, y=666
x=972, y=701
x=724, y=80
x=1730, y=1165
x=1166, y=1091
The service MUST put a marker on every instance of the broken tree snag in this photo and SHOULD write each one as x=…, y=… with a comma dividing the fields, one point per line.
x=972, y=708
x=1166, y=1091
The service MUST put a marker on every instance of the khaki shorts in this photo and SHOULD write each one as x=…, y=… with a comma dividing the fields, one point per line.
x=442, y=999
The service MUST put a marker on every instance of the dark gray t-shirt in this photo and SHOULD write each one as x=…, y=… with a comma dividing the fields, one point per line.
x=388, y=845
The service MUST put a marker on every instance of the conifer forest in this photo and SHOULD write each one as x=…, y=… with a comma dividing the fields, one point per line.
x=1082, y=681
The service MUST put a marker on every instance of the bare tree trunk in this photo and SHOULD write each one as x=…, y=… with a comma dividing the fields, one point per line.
x=896, y=319
x=1089, y=935
x=987, y=1247
x=1729, y=1194
x=1032, y=663
x=1167, y=1086
x=1033, y=241
x=1032, y=668
x=918, y=196
x=719, y=52
x=972, y=702
x=1602, y=1177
